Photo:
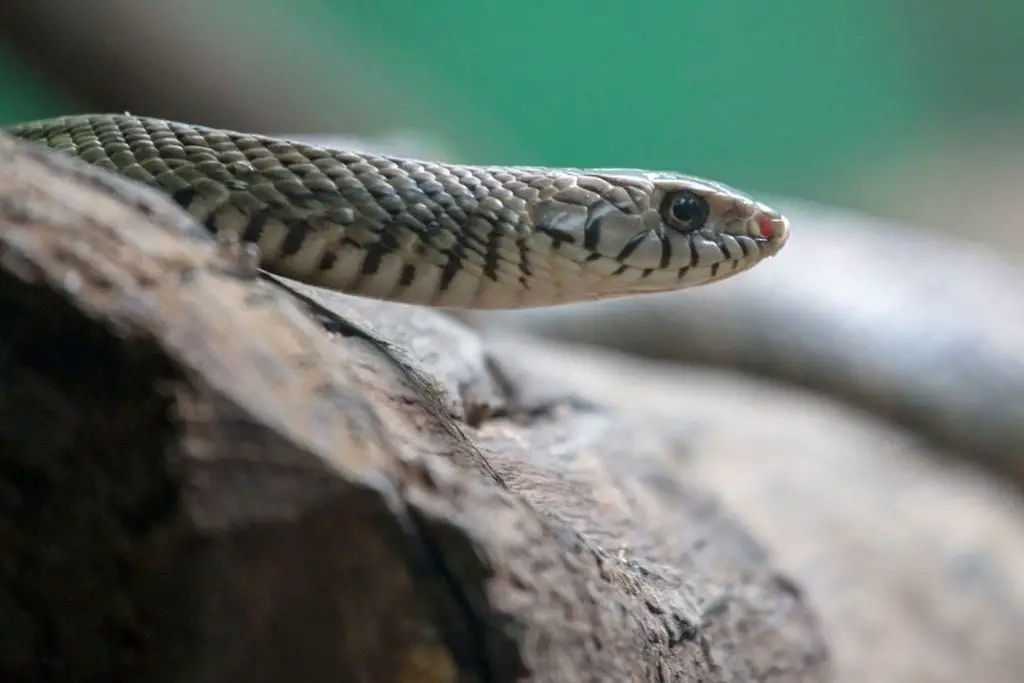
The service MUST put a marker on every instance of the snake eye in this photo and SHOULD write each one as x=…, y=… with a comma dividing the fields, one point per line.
x=685, y=210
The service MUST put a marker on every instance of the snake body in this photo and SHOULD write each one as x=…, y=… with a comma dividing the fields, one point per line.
x=432, y=233
x=909, y=343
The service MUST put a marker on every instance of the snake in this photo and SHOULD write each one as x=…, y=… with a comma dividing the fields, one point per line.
x=432, y=233
x=853, y=318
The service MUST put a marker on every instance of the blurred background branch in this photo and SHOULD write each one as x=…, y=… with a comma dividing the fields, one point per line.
x=904, y=109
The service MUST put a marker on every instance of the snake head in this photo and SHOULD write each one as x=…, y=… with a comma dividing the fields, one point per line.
x=642, y=231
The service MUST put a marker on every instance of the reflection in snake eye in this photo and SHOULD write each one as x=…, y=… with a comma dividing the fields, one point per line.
x=685, y=211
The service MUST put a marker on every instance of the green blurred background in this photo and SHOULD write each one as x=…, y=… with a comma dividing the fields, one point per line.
x=901, y=108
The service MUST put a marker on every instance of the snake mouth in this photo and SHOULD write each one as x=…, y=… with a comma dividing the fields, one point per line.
x=634, y=281
x=741, y=245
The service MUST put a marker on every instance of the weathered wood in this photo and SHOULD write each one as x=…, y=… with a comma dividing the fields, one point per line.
x=915, y=564
x=197, y=483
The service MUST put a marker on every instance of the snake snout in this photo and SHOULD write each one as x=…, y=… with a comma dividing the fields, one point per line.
x=771, y=227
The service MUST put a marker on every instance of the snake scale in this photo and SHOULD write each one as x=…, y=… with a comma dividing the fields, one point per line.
x=431, y=233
